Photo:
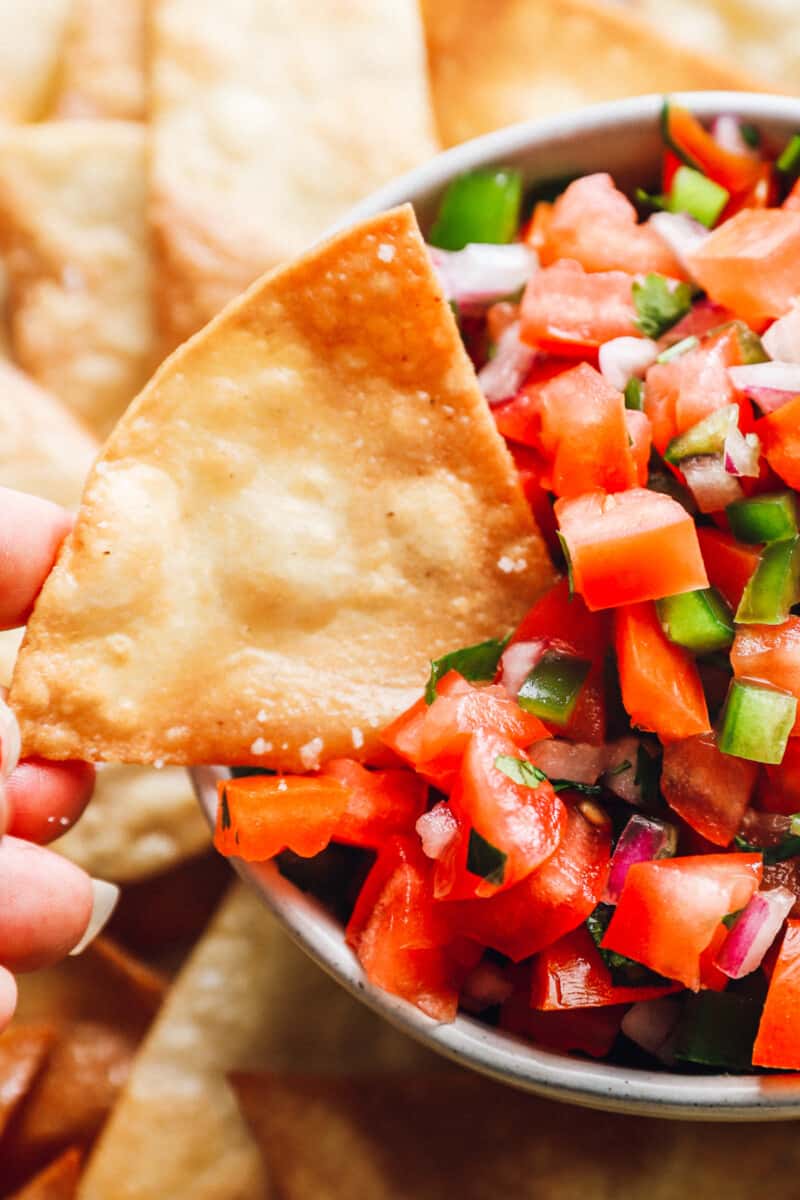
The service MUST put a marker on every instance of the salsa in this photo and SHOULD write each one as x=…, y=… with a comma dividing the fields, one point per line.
x=590, y=827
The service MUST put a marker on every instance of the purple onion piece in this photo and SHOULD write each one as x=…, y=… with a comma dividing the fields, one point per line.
x=782, y=340
x=624, y=357
x=680, y=232
x=517, y=662
x=754, y=932
x=504, y=375
x=486, y=985
x=741, y=454
x=642, y=840
x=480, y=274
x=711, y=485
x=774, y=376
x=437, y=829
x=726, y=130
x=651, y=1024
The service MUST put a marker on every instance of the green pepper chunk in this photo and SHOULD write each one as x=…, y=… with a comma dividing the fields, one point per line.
x=771, y=517
x=551, y=690
x=756, y=722
x=701, y=621
x=481, y=206
x=717, y=1029
x=773, y=587
x=706, y=437
x=678, y=349
x=634, y=395
x=694, y=193
x=788, y=162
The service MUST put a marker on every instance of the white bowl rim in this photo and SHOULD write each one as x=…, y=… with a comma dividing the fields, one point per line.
x=511, y=1060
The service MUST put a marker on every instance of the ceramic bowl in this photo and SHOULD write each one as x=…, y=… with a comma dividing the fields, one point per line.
x=624, y=139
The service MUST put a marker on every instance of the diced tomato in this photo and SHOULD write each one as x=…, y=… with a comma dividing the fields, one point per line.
x=547, y=904
x=585, y=1030
x=461, y=708
x=564, y=309
x=571, y=974
x=583, y=432
x=499, y=317
x=530, y=476
x=661, y=688
x=778, y=1040
x=702, y=318
x=689, y=141
x=712, y=979
x=640, y=436
x=520, y=419
x=780, y=435
x=596, y=225
x=762, y=194
x=670, y=909
x=259, y=816
x=792, y=201
x=398, y=936
x=681, y=392
x=536, y=231
x=751, y=263
x=380, y=803
x=729, y=563
x=781, y=794
x=769, y=654
x=630, y=546
x=524, y=824
x=710, y=790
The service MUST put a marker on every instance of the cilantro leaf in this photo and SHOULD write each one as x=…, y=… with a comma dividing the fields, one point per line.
x=659, y=303
x=224, y=810
x=625, y=972
x=484, y=859
x=519, y=770
x=473, y=662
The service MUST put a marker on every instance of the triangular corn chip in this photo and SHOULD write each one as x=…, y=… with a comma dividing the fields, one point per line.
x=57, y=1181
x=492, y=64
x=30, y=48
x=307, y=503
x=102, y=67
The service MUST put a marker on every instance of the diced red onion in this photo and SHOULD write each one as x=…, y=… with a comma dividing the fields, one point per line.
x=481, y=273
x=569, y=760
x=754, y=932
x=623, y=357
x=437, y=829
x=651, y=1024
x=710, y=484
x=517, y=662
x=642, y=840
x=741, y=454
x=782, y=339
x=726, y=130
x=680, y=232
x=623, y=783
x=504, y=374
x=769, y=384
x=764, y=828
x=486, y=985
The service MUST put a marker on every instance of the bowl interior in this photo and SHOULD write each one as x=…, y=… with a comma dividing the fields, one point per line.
x=624, y=139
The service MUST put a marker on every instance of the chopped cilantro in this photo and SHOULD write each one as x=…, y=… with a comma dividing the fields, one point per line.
x=565, y=551
x=519, y=770
x=634, y=395
x=732, y=917
x=659, y=304
x=789, y=161
x=473, y=662
x=484, y=859
x=570, y=785
x=224, y=811
x=625, y=972
x=648, y=773
x=787, y=847
x=625, y=765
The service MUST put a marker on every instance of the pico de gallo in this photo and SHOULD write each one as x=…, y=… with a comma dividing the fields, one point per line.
x=590, y=833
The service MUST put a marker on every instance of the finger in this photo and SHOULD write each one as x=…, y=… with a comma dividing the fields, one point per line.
x=45, y=905
x=31, y=531
x=44, y=799
x=8, y=997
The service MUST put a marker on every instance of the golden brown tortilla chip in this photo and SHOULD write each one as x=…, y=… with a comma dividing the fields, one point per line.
x=492, y=64
x=102, y=67
x=58, y=1180
x=269, y=121
x=31, y=40
x=429, y=1137
x=72, y=222
x=23, y=1053
x=147, y=985
x=308, y=502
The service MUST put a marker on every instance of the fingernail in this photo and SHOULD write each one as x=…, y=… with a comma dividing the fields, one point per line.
x=105, y=900
x=10, y=740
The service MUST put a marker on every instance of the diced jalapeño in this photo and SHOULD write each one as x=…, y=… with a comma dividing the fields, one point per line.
x=706, y=437
x=768, y=518
x=701, y=621
x=481, y=206
x=551, y=690
x=634, y=395
x=697, y=195
x=717, y=1029
x=773, y=587
x=756, y=722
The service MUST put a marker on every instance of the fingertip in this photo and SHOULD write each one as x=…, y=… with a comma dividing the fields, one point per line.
x=44, y=799
x=8, y=997
x=31, y=531
x=46, y=904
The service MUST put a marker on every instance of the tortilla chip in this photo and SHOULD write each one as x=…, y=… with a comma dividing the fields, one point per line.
x=247, y=999
x=492, y=64
x=30, y=46
x=269, y=121
x=424, y=1137
x=148, y=985
x=764, y=38
x=58, y=1181
x=72, y=221
x=23, y=1053
x=102, y=67
x=172, y=908
x=85, y=1072
x=308, y=502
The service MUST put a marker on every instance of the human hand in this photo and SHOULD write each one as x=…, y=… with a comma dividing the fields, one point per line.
x=45, y=900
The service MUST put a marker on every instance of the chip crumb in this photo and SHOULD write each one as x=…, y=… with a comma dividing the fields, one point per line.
x=283, y=785
x=158, y=763
x=309, y=754
x=261, y=716
x=259, y=746
x=510, y=566
x=357, y=738
x=385, y=252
